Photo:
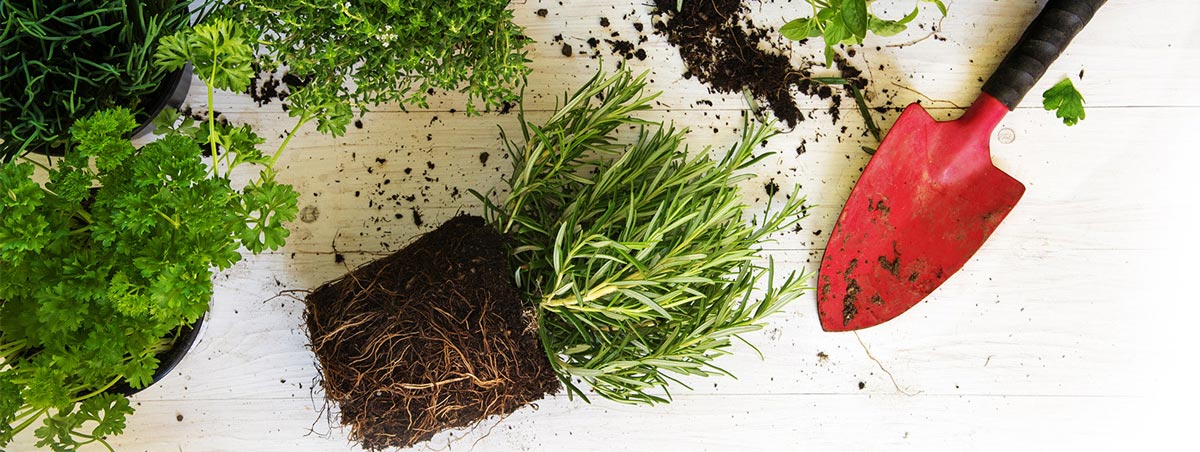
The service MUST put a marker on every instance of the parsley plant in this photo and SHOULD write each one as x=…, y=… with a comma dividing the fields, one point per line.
x=105, y=261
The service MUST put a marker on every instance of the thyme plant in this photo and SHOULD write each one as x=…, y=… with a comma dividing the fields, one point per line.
x=355, y=54
x=638, y=258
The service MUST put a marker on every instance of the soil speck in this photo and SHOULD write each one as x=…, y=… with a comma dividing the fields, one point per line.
x=310, y=214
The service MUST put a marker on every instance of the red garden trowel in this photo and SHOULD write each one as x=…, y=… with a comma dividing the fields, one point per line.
x=931, y=196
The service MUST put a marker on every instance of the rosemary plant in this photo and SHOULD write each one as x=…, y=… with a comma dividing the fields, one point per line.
x=65, y=60
x=637, y=257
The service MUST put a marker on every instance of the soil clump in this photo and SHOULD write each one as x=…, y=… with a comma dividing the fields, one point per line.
x=433, y=337
x=725, y=50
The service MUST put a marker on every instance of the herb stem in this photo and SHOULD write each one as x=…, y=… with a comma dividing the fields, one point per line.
x=83, y=215
x=9, y=349
x=30, y=416
x=212, y=118
x=97, y=392
x=303, y=119
x=173, y=221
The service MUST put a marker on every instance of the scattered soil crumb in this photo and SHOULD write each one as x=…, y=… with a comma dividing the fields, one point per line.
x=772, y=188
x=724, y=49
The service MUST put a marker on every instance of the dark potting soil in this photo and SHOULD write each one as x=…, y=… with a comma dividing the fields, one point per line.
x=432, y=337
x=725, y=50
x=269, y=86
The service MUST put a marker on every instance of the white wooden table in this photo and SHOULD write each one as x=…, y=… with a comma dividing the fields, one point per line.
x=1069, y=330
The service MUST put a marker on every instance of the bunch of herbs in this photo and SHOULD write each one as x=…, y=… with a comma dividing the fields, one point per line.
x=637, y=257
x=106, y=261
x=355, y=54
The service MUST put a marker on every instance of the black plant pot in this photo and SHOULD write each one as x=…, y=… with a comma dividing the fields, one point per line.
x=167, y=359
x=170, y=94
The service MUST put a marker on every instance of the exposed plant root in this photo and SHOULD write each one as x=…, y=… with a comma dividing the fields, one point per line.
x=429, y=338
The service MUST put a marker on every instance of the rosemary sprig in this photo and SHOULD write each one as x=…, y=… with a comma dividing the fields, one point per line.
x=636, y=256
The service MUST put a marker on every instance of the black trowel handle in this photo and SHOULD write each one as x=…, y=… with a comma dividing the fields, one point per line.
x=1039, y=46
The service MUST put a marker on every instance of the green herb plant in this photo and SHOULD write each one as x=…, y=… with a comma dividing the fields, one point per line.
x=1065, y=101
x=107, y=260
x=355, y=54
x=636, y=256
x=66, y=60
x=847, y=22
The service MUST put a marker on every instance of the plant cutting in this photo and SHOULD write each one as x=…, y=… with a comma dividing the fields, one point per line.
x=615, y=267
x=66, y=60
x=847, y=22
x=1065, y=101
x=355, y=54
x=106, y=262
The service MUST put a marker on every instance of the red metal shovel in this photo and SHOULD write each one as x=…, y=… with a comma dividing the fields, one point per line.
x=931, y=196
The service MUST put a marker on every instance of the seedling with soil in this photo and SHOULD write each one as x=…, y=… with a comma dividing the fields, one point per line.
x=614, y=267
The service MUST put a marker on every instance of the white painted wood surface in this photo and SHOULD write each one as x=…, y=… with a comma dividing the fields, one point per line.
x=1069, y=330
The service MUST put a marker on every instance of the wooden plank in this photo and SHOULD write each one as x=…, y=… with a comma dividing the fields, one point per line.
x=1071, y=329
x=971, y=42
x=1053, y=327
x=700, y=423
x=1095, y=176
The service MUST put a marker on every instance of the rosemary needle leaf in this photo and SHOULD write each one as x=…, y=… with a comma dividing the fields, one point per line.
x=637, y=258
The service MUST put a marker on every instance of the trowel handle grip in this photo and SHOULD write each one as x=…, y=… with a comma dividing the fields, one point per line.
x=1039, y=46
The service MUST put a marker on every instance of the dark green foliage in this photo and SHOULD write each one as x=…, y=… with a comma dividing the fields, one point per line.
x=393, y=51
x=63, y=60
x=105, y=261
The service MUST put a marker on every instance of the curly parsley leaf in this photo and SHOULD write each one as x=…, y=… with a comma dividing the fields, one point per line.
x=24, y=228
x=1066, y=101
x=220, y=52
x=102, y=263
x=266, y=206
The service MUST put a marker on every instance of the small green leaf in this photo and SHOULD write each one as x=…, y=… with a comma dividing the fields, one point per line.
x=1067, y=100
x=834, y=33
x=885, y=28
x=797, y=29
x=909, y=18
x=854, y=15
x=941, y=6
